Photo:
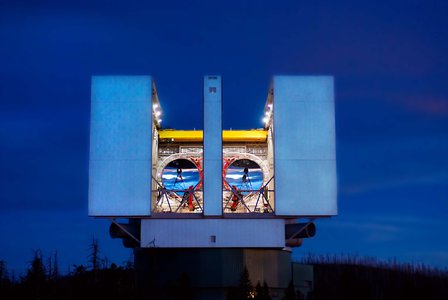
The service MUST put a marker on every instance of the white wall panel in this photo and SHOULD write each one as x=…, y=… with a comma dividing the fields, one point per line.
x=120, y=146
x=304, y=146
x=314, y=189
x=174, y=233
x=212, y=162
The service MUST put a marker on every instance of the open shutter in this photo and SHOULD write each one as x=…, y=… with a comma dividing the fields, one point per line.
x=304, y=146
x=120, y=146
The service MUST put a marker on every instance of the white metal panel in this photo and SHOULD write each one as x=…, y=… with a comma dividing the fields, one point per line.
x=313, y=190
x=196, y=233
x=304, y=146
x=120, y=146
x=212, y=162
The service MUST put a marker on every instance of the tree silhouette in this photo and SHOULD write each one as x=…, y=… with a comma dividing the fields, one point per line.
x=258, y=291
x=266, y=294
x=290, y=293
x=333, y=281
x=262, y=293
x=5, y=282
x=3, y=272
x=52, y=275
x=55, y=266
x=94, y=257
x=35, y=279
x=245, y=289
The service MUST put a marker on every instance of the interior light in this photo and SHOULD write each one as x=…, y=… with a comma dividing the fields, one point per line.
x=155, y=105
x=158, y=113
x=265, y=120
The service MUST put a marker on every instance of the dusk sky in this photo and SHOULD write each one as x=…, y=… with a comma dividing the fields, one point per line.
x=390, y=64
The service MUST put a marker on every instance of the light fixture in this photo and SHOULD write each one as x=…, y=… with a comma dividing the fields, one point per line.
x=158, y=113
x=265, y=119
x=155, y=105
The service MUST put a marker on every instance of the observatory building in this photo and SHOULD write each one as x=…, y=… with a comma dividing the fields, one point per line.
x=210, y=202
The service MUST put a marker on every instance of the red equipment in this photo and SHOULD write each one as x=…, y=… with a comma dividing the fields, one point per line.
x=235, y=198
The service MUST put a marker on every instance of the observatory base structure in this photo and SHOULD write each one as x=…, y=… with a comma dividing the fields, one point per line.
x=208, y=203
x=211, y=273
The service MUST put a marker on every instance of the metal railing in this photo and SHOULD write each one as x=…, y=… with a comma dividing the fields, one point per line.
x=247, y=200
x=235, y=200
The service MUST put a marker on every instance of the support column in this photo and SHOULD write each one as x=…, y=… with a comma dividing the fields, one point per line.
x=212, y=146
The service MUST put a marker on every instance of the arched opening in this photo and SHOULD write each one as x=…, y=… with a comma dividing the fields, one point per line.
x=243, y=184
x=179, y=191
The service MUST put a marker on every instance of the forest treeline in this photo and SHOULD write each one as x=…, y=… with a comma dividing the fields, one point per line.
x=352, y=277
x=43, y=280
x=335, y=277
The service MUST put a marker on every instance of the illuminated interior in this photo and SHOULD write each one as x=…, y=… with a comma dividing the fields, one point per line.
x=247, y=175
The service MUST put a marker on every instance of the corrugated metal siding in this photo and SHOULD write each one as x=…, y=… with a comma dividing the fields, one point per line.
x=213, y=268
x=271, y=266
x=266, y=233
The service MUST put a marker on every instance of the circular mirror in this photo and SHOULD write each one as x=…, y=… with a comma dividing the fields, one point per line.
x=246, y=175
x=179, y=175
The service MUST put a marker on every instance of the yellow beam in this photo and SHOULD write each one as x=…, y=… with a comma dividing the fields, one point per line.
x=244, y=135
x=181, y=136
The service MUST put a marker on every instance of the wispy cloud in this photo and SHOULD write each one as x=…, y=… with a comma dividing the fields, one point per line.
x=393, y=182
x=426, y=104
x=363, y=225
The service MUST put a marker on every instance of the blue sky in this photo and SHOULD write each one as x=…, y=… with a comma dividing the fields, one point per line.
x=391, y=73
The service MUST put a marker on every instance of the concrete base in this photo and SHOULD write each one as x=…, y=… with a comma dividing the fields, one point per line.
x=207, y=273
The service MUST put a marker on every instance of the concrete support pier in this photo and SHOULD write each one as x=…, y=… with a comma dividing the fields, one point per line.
x=210, y=272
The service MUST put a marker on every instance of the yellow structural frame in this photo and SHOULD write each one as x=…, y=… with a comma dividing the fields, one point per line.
x=182, y=136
